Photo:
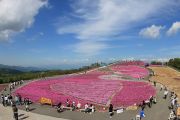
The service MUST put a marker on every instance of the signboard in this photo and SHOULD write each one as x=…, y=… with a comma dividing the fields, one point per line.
x=120, y=111
x=44, y=100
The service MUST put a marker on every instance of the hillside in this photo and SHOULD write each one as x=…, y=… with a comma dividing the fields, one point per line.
x=9, y=71
x=19, y=68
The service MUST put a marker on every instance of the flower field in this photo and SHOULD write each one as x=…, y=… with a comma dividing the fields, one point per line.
x=90, y=88
x=130, y=70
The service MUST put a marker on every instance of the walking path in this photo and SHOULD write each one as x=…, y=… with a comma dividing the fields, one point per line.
x=7, y=114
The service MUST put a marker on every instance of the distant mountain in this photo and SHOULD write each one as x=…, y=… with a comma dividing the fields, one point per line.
x=19, y=68
x=9, y=71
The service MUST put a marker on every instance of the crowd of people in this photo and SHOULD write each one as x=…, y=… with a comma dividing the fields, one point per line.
x=73, y=106
x=173, y=106
x=14, y=101
x=9, y=100
x=12, y=85
x=173, y=103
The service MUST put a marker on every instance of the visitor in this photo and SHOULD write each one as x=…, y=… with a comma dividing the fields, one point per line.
x=173, y=95
x=148, y=103
x=15, y=111
x=161, y=88
x=174, y=102
x=73, y=106
x=10, y=88
x=78, y=105
x=26, y=103
x=172, y=115
x=67, y=103
x=59, y=107
x=16, y=99
x=165, y=94
x=154, y=83
x=154, y=100
x=92, y=108
x=110, y=110
x=10, y=98
x=143, y=105
x=142, y=114
x=20, y=99
x=151, y=100
x=6, y=100
x=2, y=99
x=86, y=108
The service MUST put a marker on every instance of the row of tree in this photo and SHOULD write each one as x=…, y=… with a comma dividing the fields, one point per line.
x=156, y=63
x=174, y=63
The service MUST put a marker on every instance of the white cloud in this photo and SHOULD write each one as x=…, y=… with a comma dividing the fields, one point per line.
x=151, y=32
x=174, y=28
x=101, y=20
x=90, y=48
x=17, y=15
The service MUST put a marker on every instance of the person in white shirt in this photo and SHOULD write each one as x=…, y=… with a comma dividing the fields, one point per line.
x=86, y=108
x=165, y=94
x=78, y=105
x=92, y=108
x=6, y=100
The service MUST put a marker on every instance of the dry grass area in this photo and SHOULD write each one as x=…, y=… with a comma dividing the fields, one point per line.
x=168, y=77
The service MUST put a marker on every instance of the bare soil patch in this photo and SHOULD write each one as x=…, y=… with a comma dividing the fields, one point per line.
x=168, y=77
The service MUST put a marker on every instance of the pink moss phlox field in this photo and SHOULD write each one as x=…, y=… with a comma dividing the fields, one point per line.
x=131, y=70
x=90, y=88
x=133, y=93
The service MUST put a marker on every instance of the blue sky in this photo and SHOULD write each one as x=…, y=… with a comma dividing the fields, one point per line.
x=77, y=32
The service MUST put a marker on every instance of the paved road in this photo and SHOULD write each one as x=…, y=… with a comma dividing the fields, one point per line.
x=6, y=114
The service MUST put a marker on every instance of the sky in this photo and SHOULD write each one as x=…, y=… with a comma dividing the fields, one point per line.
x=78, y=32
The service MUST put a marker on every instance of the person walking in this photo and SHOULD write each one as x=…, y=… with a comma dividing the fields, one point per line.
x=165, y=94
x=6, y=100
x=143, y=105
x=142, y=114
x=154, y=83
x=26, y=104
x=59, y=107
x=15, y=112
x=110, y=110
x=161, y=88
x=2, y=100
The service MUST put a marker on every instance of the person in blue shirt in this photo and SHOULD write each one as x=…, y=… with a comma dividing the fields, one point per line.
x=142, y=115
